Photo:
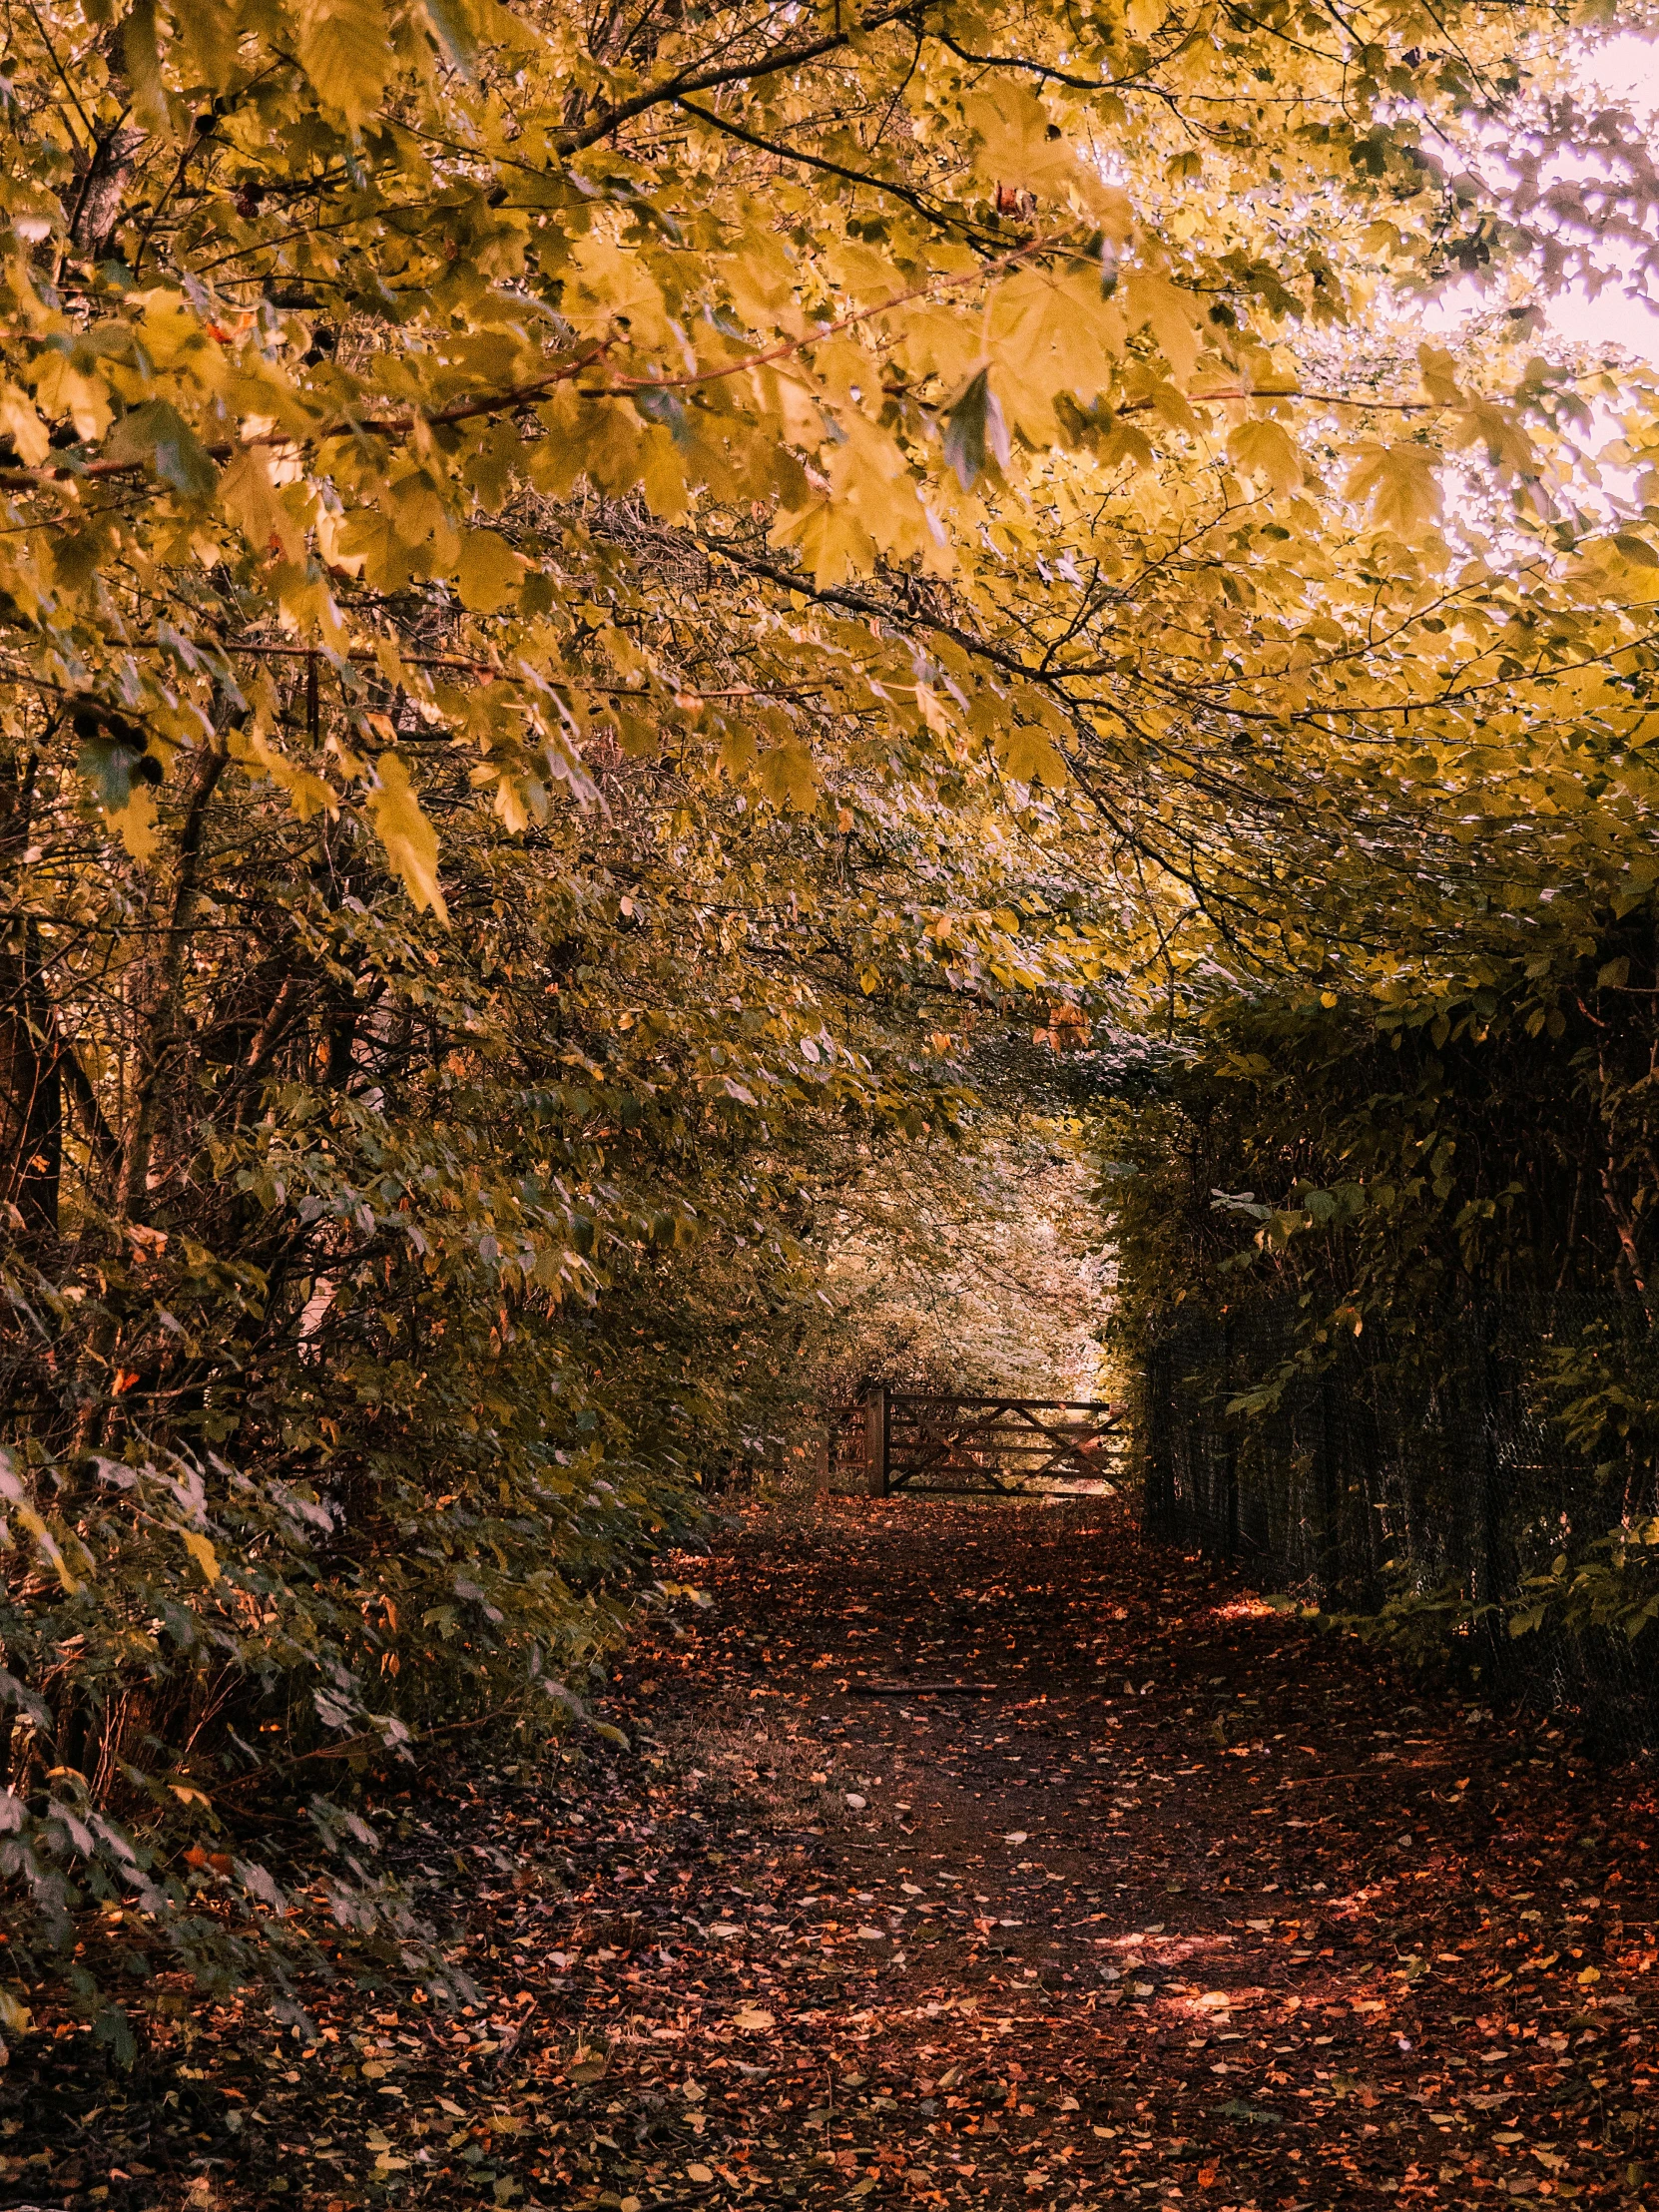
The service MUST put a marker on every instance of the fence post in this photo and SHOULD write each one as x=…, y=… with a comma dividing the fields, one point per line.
x=1330, y=1524
x=1490, y=1569
x=875, y=1441
x=1228, y=1451
x=1160, y=1474
x=821, y=1462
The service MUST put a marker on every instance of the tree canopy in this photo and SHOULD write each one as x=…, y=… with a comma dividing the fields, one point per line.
x=594, y=605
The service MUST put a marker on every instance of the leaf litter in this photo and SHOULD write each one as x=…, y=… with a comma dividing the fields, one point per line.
x=1195, y=1907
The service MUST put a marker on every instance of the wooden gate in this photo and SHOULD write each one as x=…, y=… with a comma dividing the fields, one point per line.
x=908, y=1441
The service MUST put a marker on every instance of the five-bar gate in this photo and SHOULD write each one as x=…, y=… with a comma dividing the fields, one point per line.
x=925, y=1443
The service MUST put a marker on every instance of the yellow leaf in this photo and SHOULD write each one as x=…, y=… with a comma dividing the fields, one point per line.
x=787, y=776
x=20, y=421
x=136, y=823
x=141, y=51
x=1021, y=150
x=1399, y=486
x=62, y=389
x=345, y=52
x=251, y=498
x=15, y=2016
x=515, y=805
x=607, y=286
x=1508, y=447
x=1439, y=370
x=761, y=280
x=1266, y=448
x=1175, y=317
x=48, y=1543
x=939, y=341
x=410, y=840
x=752, y=2018
x=490, y=572
x=831, y=541
x=738, y=749
x=933, y=711
x=309, y=793
x=203, y=1553
x=1049, y=335
x=860, y=272
x=871, y=475
x=208, y=30
x=1030, y=756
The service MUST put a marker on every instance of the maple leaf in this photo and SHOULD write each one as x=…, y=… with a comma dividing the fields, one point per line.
x=1266, y=448
x=1175, y=317
x=344, y=51
x=246, y=488
x=1399, y=483
x=411, y=842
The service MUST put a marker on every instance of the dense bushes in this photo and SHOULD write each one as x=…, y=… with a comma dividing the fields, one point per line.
x=1391, y=1271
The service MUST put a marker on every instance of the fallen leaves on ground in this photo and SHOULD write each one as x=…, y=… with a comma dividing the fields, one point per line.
x=1195, y=1909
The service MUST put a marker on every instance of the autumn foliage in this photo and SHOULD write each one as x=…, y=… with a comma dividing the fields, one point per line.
x=590, y=604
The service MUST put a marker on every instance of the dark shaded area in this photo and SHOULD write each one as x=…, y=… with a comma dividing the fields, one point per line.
x=1431, y=1468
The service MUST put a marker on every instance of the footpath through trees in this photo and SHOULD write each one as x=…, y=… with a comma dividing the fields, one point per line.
x=962, y=1855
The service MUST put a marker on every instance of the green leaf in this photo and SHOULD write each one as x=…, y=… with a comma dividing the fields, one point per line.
x=974, y=428
x=666, y=409
x=455, y=33
x=157, y=436
x=107, y=764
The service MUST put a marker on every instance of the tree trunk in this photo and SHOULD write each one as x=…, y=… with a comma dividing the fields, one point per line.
x=162, y=1050
x=31, y=1089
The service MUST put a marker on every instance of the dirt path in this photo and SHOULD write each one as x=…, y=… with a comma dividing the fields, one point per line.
x=1193, y=1908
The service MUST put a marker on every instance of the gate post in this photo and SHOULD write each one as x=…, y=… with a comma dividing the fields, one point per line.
x=875, y=1442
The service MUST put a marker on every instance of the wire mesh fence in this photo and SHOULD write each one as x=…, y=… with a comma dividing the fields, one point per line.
x=1422, y=1461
